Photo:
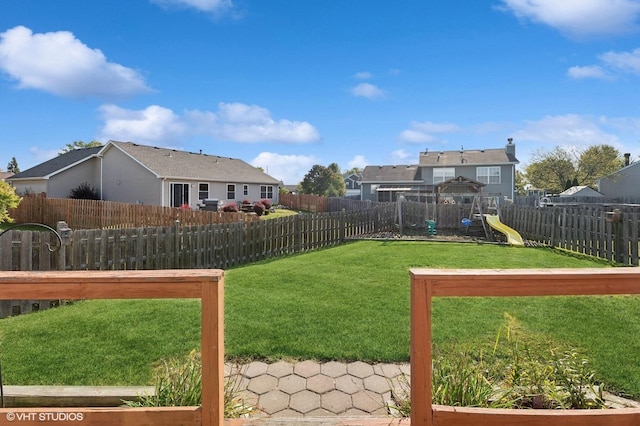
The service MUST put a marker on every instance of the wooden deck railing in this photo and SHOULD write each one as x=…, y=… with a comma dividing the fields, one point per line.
x=429, y=283
x=203, y=284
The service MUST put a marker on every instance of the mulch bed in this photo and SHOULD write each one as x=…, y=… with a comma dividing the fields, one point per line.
x=442, y=235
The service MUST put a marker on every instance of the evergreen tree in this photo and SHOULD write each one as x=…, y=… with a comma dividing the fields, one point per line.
x=12, y=167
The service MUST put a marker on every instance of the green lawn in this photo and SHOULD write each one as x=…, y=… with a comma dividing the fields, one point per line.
x=347, y=303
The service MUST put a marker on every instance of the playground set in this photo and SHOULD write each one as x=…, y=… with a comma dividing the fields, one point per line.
x=485, y=213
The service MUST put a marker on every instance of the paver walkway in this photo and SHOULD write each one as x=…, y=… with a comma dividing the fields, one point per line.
x=312, y=389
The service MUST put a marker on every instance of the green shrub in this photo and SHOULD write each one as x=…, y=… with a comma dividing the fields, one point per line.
x=84, y=191
x=522, y=370
x=178, y=382
x=8, y=200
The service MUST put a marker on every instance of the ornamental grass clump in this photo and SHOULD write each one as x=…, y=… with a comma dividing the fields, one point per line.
x=521, y=370
x=178, y=382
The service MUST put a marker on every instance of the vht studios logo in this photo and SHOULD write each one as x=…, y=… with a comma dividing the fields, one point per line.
x=45, y=417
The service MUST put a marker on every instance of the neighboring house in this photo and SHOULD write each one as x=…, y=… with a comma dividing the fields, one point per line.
x=580, y=191
x=293, y=189
x=352, y=183
x=385, y=183
x=5, y=175
x=490, y=171
x=133, y=173
x=622, y=183
x=58, y=176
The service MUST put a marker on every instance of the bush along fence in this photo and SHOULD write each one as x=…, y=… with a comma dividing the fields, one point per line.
x=220, y=245
x=610, y=234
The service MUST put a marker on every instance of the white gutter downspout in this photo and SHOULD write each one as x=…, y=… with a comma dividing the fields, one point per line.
x=101, y=176
x=164, y=180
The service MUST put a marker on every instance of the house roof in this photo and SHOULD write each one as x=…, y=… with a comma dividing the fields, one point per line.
x=617, y=172
x=379, y=174
x=466, y=157
x=57, y=164
x=354, y=177
x=5, y=175
x=581, y=190
x=176, y=164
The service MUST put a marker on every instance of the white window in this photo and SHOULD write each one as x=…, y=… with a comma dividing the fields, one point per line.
x=374, y=189
x=266, y=191
x=203, y=191
x=245, y=189
x=488, y=175
x=231, y=191
x=441, y=174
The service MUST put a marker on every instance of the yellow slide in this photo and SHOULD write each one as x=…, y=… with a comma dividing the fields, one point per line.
x=513, y=237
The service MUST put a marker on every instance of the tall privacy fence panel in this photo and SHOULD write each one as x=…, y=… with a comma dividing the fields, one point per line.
x=221, y=245
x=98, y=214
x=599, y=231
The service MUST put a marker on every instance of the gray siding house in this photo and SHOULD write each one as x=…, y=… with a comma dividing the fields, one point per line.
x=491, y=171
x=623, y=184
x=132, y=173
x=56, y=177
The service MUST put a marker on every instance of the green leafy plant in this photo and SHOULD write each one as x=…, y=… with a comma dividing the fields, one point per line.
x=85, y=191
x=178, y=382
x=522, y=370
x=8, y=200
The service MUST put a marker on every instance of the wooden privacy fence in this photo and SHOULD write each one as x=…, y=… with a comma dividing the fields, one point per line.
x=97, y=214
x=187, y=247
x=589, y=230
x=304, y=202
x=206, y=285
x=429, y=283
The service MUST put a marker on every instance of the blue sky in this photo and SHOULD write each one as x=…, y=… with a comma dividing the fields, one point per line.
x=286, y=84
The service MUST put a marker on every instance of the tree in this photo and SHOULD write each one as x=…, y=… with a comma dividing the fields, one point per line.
x=563, y=168
x=8, y=200
x=79, y=145
x=550, y=170
x=597, y=161
x=521, y=182
x=352, y=171
x=12, y=167
x=326, y=181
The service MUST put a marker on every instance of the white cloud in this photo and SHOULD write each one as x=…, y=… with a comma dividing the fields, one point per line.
x=367, y=90
x=239, y=122
x=612, y=63
x=58, y=63
x=364, y=75
x=427, y=131
x=201, y=5
x=623, y=61
x=593, y=71
x=571, y=131
x=153, y=124
x=289, y=169
x=579, y=17
x=358, y=161
x=401, y=156
x=234, y=122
